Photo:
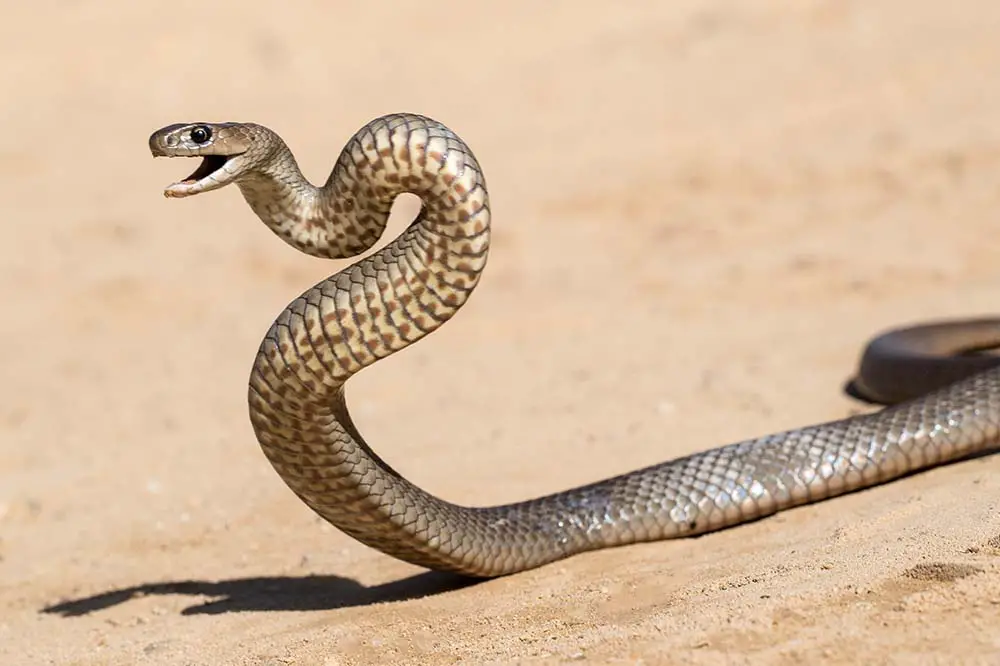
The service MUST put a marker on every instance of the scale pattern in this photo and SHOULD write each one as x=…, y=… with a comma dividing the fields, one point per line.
x=396, y=296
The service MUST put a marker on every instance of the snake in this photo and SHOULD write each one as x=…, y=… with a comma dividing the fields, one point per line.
x=394, y=296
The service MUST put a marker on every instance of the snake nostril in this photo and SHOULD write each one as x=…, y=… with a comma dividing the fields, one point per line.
x=172, y=140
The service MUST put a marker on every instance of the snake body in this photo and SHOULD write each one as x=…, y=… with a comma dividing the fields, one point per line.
x=394, y=297
x=907, y=362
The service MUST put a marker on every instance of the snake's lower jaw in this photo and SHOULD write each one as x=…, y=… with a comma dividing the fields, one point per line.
x=171, y=192
x=183, y=189
x=189, y=187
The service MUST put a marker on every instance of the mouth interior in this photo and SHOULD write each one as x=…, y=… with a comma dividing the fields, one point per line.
x=209, y=165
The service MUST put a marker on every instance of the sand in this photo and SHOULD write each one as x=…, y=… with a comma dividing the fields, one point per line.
x=702, y=211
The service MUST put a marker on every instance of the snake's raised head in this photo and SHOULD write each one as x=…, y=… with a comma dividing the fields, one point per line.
x=226, y=150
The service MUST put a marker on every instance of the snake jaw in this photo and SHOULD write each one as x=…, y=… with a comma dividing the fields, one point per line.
x=213, y=172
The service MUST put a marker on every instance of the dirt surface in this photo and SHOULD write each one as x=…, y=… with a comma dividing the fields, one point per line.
x=702, y=210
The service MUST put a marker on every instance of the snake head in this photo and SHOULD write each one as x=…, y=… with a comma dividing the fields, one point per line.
x=222, y=146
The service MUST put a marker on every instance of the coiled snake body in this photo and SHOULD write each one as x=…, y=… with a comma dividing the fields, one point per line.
x=396, y=296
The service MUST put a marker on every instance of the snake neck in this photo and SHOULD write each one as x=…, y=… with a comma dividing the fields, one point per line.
x=391, y=299
x=319, y=221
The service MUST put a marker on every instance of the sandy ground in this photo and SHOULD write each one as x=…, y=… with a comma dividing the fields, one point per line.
x=702, y=210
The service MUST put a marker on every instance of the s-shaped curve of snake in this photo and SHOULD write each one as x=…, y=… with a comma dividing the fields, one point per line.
x=400, y=294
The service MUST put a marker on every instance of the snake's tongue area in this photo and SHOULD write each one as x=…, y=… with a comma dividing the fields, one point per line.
x=209, y=165
x=200, y=179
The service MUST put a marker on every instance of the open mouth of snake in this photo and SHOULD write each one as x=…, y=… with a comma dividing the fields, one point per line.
x=209, y=165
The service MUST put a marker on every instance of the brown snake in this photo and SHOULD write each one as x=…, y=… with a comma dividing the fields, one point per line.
x=398, y=295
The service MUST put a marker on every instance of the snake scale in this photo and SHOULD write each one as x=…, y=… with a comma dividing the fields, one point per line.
x=396, y=296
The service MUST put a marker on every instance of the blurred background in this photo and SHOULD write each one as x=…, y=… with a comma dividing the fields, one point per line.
x=702, y=210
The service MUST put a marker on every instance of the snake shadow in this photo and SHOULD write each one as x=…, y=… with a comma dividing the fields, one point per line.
x=852, y=389
x=272, y=593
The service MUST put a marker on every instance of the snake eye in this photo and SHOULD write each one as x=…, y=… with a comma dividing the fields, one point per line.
x=201, y=134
